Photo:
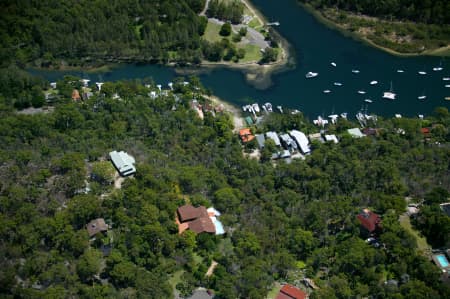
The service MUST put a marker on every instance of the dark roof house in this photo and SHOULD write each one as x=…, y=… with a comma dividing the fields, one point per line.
x=96, y=226
x=290, y=292
x=188, y=212
x=195, y=219
x=369, y=220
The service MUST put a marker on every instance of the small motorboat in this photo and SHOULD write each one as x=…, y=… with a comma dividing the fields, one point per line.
x=361, y=92
x=400, y=71
x=311, y=75
x=422, y=97
x=333, y=64
x=355, y=71
x=374, y=82
x=368, y=101
x=326, y=91
x=337, y=84
x=446, y=79
x=422, y=73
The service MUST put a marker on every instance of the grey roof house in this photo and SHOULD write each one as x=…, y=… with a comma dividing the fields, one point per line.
x=123, y=162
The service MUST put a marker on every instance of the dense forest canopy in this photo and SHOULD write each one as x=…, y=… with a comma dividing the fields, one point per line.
x=128, y=29
x=284, y=221
x=424, y=11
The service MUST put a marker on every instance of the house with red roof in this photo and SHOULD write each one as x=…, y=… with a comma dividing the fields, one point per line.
x=290, y=292
x=246, y=135
x=369, y=220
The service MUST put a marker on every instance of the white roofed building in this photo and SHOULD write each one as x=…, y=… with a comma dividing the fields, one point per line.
x=301, y=140
x=123, y=162
x=288, y=142
x=274, y=137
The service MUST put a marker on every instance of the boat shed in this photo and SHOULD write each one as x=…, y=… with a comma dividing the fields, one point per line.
x=274, y=137
x=301, y=140
x=355, y=133
x=123, y=162
x=288, y=142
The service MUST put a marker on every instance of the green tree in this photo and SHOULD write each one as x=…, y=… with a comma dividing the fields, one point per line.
x=225, y=30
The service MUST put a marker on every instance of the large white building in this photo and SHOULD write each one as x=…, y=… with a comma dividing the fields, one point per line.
x=301, y=140
x=123, y=162
x=274, y=137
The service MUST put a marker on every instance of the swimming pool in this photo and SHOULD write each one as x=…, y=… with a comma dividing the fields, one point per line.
x=442, y=261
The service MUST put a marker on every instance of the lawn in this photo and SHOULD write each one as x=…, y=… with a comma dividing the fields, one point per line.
x=255, y=23
x=252, y=54
x=421, y=241
x=212, y=32
x=176, y=278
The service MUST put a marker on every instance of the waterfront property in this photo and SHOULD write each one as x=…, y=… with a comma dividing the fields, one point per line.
x=355, y=133
x=301, y=140
x=274, y=137
x=123, y=162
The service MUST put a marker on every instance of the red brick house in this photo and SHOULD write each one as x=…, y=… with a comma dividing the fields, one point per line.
x=369, y=220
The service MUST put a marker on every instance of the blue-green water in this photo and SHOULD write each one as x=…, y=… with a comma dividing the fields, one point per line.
x=316, y=46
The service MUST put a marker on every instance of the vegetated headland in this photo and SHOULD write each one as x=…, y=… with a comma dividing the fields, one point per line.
x=396, y=33
x=184, y=34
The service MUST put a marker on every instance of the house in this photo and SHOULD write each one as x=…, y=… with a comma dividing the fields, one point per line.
x=290, y=292
x=123, y=162
x=76, y=95
x=246, y=135
x=445, y=207
x=370, y=131
x=261, y=140
x=369, y=220
x=316, y=137
x=331, y=138
x=274, y=137
x=425, y=131
x=198, y=220
x=96, y=226
x=355, y=133
x=288, y=142
x=301, y=140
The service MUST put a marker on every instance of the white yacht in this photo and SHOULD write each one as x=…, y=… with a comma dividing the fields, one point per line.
x=400, y=71
x=422, y=72
x=390, y=95
x=422, y=97
x=355, y=71
x=447, y=85
x=311, y=75
x=361, y=92
x=256, y=108
x=374, y=82
x=437, y=69
x=326, y=91
x=337, y=84
x=334, y=64
x=280, y=109
x=446, y=79
x=368, y=101
x=344, y=115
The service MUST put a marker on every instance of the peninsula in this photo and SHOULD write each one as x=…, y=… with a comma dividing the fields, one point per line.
x=412, y=31
x=179, y=33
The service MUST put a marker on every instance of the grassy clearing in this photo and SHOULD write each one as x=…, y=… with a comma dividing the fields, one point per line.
x=176, y=278
x=421, y=241
x=252, y=54
x=255, y=23
x=212, y=32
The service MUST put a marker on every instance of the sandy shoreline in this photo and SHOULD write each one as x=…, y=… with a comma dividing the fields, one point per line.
x=237, y=118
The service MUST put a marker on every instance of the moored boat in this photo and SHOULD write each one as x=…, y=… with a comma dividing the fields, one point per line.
x=374, y=82
x=400, y=71
x=337, y=84
x=422, y=72
x=355, y=71
x=368, y=101
x=333, y=64
x=326, y=91
x=361, y=92
x=311, y=75
x=390, y=95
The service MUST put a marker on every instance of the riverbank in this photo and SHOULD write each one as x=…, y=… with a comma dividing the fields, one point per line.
x=367, y=34
x=234, y=111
